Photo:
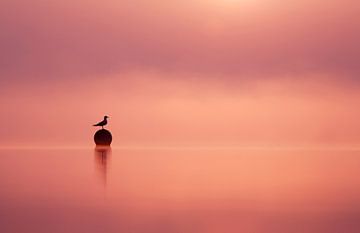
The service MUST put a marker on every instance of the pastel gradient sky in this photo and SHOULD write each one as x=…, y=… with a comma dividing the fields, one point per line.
x=199, y=72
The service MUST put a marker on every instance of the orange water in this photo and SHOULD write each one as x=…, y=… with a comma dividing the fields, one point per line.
x=180, y=190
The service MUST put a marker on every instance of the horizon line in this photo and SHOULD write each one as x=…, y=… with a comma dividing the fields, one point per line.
x=186, y=147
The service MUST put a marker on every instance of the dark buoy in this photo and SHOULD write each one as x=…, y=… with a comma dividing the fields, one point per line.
x=103, y=137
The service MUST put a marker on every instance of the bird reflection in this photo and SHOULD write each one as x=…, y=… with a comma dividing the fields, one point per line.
x=102, y=159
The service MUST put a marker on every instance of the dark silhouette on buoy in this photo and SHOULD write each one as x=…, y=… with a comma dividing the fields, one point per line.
x=102, y=137
x=103, y=122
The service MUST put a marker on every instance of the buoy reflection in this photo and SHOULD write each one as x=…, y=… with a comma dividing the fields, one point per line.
x=102, y=161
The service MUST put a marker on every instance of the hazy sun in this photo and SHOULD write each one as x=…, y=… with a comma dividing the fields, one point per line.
x=222, y=3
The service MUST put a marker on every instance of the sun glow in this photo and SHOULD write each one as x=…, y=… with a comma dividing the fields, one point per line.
x=233, y=5
x=231, y=2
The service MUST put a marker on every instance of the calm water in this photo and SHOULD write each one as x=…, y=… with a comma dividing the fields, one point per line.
x=191, y=191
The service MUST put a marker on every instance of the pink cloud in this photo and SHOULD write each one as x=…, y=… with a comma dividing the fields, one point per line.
x=82, y=38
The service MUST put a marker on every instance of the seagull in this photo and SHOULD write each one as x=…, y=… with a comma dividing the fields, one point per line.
x=103, y=122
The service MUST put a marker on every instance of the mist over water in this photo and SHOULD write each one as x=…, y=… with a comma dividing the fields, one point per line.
x=153, y=109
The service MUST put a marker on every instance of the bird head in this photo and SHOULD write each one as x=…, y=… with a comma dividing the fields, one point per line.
x=106, y=117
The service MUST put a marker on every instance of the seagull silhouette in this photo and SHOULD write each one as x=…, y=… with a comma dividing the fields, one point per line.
x=103, y=122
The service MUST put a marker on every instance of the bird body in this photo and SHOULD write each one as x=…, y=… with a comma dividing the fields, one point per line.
x=103, y=122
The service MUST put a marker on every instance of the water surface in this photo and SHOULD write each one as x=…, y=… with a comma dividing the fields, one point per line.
x=179, y=190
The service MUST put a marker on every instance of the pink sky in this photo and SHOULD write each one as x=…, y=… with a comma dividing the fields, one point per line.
x=231, y=72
